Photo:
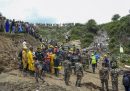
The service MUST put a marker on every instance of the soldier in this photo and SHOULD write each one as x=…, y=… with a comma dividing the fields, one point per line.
x=84, y=61
x=74, y=59
x=67, y=71
x=79, y=73
x=114, y=79
x=104, y=76
x=113, y=63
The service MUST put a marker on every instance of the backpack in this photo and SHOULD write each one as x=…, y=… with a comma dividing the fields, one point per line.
x=126, y=81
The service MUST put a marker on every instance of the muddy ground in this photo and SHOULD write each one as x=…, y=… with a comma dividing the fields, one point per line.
x=11, y=79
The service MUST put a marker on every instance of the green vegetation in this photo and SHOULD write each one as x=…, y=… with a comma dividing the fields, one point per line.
x=85, y=32
x=119, y=33
x=118, y=30
x=53, y=33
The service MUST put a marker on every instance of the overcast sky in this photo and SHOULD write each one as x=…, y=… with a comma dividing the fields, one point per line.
x=59, y=11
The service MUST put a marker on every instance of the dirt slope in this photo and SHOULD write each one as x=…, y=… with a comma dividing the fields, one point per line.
x=10, y=45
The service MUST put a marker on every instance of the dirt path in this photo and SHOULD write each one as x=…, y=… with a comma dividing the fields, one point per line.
x=90, y=82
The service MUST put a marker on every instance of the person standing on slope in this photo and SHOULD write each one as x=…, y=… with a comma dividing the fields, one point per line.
x=67, y=71
x=7, y=26
x=79, y=73
x=30, y=61
x=93, y=62
x=104, y=76
x=24, y=60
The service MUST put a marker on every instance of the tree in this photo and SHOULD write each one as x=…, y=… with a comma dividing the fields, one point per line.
x=92, y=26
x=115, y=17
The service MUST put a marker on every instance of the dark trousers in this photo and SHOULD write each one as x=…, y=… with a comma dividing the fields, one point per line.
x=67, y=78
x=93, y=67
x=78, y=81
x=127, y=88
x=56, y=72
x=104, y=83
x=115, y=85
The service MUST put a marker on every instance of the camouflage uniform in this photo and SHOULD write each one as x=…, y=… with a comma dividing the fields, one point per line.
x=114, y=79
x=67, y=71
x=85, y=62
x=74, y=59
x=113, y=63
x=104, y=76
x=79, y=73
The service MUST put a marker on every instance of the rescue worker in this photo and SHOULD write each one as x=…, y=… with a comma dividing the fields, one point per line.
x=106, y=61
x=97, y=57
x=39, y=55
x=38, y=70
x=30, y=61
x=114, y=79
x=88, y=60
x=67, y=71
x=74, y=59
x=84, y=61
x=79, y=73
x=56, y=64
x=113, y=63
x=52, y=55
x=104, y=77
x=47, y=62
x=93, y=61
x=24, y=60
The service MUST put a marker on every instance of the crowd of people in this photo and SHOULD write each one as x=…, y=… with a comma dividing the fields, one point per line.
x=12, y=26
x=52, y=59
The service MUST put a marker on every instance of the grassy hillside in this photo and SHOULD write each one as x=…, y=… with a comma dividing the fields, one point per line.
x=119, y=33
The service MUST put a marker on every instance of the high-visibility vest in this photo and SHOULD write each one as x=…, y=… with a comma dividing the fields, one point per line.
x=93, y=60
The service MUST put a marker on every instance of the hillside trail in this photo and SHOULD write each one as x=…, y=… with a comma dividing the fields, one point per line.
x=15, y=81
x=101, y=38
